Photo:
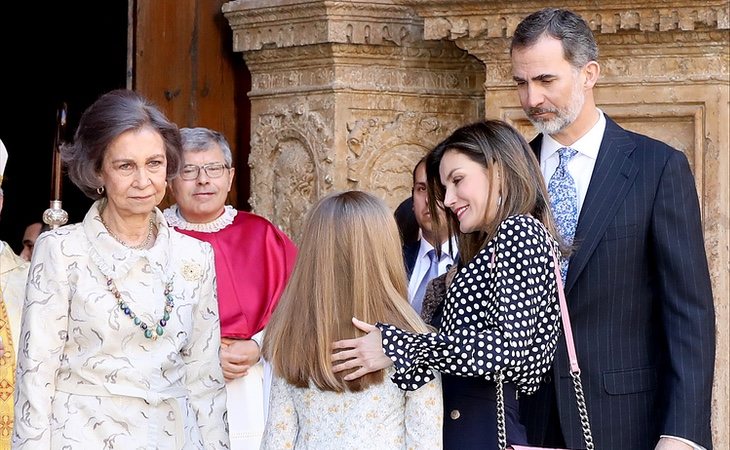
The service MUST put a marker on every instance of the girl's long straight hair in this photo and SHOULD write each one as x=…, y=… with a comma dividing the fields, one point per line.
x=350, y=264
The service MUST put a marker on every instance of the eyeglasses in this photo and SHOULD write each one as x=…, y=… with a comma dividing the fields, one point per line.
x=212, y=170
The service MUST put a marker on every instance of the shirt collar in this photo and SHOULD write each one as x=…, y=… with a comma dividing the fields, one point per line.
x=175, y=219
x=425, y=247
x=587, y=145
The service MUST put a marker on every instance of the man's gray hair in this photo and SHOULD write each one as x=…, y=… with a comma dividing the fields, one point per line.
x=579, y=44
x=200, y=139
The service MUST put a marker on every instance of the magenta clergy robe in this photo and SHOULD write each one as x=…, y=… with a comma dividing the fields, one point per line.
x=253, y=260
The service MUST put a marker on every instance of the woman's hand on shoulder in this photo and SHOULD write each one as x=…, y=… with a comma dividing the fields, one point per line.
x=365, y=354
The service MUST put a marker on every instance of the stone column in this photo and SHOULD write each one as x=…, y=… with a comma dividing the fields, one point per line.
x=664, y=73
x=345, y=95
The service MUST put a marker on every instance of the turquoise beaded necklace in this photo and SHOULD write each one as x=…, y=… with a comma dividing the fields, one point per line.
x=146, y=329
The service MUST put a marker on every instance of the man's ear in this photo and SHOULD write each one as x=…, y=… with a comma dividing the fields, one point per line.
x=230, y=181
x=591, y=72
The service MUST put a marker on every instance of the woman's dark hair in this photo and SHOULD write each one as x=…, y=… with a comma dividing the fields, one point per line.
x=492, y=143
x=113, y=114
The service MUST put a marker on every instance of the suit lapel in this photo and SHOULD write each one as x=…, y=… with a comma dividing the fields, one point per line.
x=613, y=175
x=536, y=145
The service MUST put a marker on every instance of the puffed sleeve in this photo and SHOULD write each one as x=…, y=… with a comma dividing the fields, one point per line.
x=43, y=335
x=502, y=314
x=424, y=417
x=282, y=424
x=204, y=375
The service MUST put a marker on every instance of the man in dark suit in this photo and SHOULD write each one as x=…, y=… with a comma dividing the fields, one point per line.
x=408, y=228
x=637, y=282
x=434, y=252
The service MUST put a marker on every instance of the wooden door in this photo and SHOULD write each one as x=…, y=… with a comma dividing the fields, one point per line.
x=181, y=58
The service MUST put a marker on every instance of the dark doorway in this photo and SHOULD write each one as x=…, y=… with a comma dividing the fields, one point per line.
x=51, y=53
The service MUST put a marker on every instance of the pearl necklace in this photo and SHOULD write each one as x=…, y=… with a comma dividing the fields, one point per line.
x=144, y=244
x=146, y=329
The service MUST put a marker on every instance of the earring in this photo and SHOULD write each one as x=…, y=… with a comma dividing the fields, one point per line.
x=100, y=190
x=499, y=201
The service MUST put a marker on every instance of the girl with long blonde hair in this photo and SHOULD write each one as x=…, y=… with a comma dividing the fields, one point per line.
x=349, y=265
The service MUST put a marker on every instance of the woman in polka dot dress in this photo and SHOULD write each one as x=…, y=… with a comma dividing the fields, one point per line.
x=501, y=310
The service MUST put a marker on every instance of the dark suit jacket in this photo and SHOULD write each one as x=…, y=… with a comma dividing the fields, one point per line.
x=410, y=253
x=640, y=303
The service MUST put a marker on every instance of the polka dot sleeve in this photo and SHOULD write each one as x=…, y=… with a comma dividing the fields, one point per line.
x=501, y=313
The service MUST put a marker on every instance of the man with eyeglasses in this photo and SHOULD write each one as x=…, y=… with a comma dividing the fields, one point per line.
x=253, y=260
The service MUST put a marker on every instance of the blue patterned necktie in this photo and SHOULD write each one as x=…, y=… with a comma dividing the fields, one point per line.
x=564, y=201
x=431, y=273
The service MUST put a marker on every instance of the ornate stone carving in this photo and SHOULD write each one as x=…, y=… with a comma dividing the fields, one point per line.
x=291, y=165
x=382, y=153
x=414, y=80
x=430, y=68
x=455, y=19
x=619, y=25
x=632, y=66
x=440, y=53
x=256, y=25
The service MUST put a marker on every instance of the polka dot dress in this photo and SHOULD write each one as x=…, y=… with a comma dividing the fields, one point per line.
x=501, y=313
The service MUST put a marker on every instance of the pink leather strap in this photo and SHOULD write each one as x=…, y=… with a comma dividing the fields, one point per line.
x=567, y=329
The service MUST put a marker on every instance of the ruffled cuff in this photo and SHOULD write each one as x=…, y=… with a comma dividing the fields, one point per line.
x=404, y=349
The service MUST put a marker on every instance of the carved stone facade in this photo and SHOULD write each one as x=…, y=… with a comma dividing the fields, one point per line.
x=351, y=94
x=345, y=95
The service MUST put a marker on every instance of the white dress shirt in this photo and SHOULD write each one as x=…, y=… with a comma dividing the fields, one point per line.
x=423, y=263
x=582, y=164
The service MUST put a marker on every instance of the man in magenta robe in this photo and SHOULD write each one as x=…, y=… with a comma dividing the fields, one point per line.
x=253, y=260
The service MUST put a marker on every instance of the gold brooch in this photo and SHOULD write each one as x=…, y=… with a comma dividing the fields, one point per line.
x=191, y=271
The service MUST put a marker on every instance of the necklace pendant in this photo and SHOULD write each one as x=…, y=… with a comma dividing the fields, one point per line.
x=148, y=331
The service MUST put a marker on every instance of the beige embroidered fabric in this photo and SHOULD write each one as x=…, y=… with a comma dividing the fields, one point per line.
x=89, y=377
x=382, y=417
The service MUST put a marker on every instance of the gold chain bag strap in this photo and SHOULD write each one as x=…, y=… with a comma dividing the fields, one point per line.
x=574, y=373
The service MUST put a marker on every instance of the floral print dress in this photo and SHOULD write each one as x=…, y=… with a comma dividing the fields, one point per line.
x=381, y=416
